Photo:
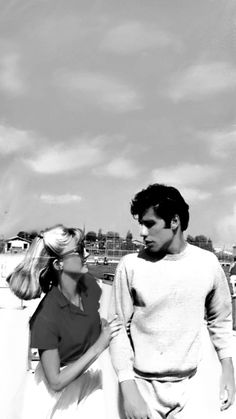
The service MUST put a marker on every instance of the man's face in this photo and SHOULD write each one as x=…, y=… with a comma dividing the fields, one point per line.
x=156, y=237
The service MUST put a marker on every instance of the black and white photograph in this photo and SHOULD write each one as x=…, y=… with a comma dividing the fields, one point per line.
x=117, y=209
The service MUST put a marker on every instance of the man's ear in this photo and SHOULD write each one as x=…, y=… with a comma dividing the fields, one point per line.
x=58, y=265
x=175, y=222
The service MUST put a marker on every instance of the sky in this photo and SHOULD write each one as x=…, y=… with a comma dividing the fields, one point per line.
x=101, y=98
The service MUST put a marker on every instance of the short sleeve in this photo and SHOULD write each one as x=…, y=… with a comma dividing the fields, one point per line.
x=44, y=334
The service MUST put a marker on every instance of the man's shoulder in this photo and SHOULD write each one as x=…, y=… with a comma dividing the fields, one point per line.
x=201, y=253
x=129, y=258
x=128, y=262
x=200, y=250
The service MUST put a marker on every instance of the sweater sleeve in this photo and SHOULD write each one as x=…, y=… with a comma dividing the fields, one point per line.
x=121, y=304
x=219, y=313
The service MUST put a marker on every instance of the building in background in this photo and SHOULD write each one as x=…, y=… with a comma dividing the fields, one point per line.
x=16, y=244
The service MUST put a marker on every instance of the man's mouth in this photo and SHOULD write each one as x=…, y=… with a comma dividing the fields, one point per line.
x=148, y=243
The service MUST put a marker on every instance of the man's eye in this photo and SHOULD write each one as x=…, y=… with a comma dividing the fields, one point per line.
x=149, y=225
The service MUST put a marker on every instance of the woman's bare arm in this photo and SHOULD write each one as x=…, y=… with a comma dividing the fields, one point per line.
x=60, y=378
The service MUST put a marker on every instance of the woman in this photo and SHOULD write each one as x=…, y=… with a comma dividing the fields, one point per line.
x=66, y=327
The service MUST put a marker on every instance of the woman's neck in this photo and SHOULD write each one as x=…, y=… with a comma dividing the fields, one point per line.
x=69, y=289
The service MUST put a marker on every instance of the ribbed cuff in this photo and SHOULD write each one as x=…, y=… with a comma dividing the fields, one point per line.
x=125, y=375
x=225, y=353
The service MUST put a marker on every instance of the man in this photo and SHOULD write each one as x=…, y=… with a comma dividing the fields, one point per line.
x=166, y=290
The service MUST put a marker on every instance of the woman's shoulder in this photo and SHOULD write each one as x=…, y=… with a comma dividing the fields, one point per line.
x=47, y=308
x=50, y=299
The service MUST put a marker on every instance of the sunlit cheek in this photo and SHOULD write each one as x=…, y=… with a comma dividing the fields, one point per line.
x=73, y=265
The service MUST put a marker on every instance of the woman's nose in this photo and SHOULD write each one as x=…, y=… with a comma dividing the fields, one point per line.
x=84, y=269
x=86, y=254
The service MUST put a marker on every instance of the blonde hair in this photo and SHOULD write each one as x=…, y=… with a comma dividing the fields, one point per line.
x=36, y=274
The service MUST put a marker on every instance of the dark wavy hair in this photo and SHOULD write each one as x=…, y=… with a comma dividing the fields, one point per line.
x=166, y=201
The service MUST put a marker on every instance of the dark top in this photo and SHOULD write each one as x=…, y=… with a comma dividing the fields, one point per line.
x=57, y=323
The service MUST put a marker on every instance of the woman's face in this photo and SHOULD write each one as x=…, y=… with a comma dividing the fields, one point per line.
x=73, y=261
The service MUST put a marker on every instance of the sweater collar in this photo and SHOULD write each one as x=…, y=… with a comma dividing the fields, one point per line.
x=177, y=256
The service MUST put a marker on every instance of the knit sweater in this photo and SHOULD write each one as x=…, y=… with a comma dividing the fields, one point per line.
x=167, y=301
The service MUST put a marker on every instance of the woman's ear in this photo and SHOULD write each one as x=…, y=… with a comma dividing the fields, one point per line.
x=58, y=264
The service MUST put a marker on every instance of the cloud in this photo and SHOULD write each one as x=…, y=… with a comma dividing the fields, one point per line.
x=11, y=80
x=118, y=168
x=194, y=194
x=15, y=198
x=226, y=226
x=222, y=143
x=186, y=177
x=230, y=190
x=13, y=140
x=103, y=91
x=60, y=199
x=134, y=37
x=12, y=7
x=62, y=158
x=201, y=80
x=184, y=174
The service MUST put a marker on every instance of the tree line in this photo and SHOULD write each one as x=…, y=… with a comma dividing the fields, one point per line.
x=201, y=241
x=103, y=240
x=113, y=238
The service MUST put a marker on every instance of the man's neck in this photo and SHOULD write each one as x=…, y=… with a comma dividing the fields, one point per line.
x=177, y=245
x=175, y=248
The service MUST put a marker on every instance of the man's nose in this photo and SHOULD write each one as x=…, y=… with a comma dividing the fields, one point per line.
x=143, y=231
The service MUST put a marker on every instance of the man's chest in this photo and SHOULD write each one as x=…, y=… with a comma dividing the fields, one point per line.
x=169, y=283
